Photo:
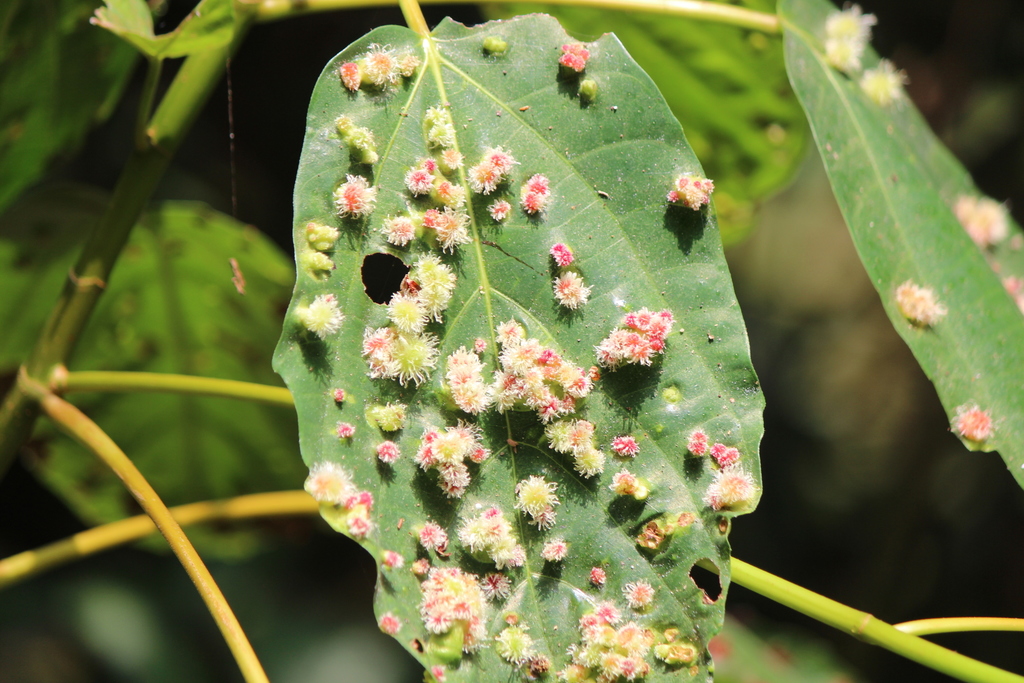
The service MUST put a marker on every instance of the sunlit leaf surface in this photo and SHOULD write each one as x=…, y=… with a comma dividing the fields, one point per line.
x=607, y=165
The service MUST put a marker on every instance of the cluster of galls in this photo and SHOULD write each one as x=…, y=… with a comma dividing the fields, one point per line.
x=452, y=600
x=607, y=653
x=403, y=351
x=535, y=377
x=320, y=239
x=691, y=191
x=342, y=504
x=847, y=34
x=465, y=382
x=576, y=438
x=568, y=286
x=489, y=535
x=322, y=316
x=359, y=139
x=573, y=61
x=493, y=170
x=447, y=452
x=733, y=488
x=446, y=223
x=378, y=68
x=639, y=338
x=536, y=497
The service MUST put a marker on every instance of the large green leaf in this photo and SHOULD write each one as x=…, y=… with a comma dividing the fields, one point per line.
x=210, y=25
x=610, y=163
x=895, y=187
x=59, y=76
x=728, y=88
x=171, y=307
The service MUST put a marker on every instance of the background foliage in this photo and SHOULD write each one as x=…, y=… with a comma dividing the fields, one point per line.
x=859, y=480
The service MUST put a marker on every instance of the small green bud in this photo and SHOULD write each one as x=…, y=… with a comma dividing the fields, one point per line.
x=447, y=647
x=493, y=45
x=588, y=89
x=321, y=237
x=388, y=418
x=345, y=125
x=675, y=654
x=317, y=262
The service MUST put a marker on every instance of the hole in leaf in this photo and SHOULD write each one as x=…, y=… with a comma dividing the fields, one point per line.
x=382, y=276
x=706, y=580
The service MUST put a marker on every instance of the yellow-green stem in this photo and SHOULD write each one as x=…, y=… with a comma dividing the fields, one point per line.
x=866, y=627
x=24, y=565
x=77, y=425
x=66, y=382
x=926, y=627
x=270, y=10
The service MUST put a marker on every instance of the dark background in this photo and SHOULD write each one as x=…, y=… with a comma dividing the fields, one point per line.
x=868, y=497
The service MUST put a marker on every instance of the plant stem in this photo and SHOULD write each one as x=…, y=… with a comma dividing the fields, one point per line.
x=77, y=425
x=924, y=627
x=88, y=278
x=414, y=17
x=270, y=10
x=153, y=68
x=177, y=384
x=866, y=627
x=19, y=567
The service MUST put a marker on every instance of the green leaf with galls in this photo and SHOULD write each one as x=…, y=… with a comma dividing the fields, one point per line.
x=898, y=193
x=505, y=345
x=211, y=24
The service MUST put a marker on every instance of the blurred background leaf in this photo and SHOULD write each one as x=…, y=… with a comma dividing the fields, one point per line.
x=59, y=77
x=171, y=307
x=211, y=24
x=728, y=88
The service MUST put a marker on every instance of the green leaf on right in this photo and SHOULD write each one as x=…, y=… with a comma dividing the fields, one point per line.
x=210, y=25
x=59, y=76
x=728, y=88
x=511, y=427
x=896, y=188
